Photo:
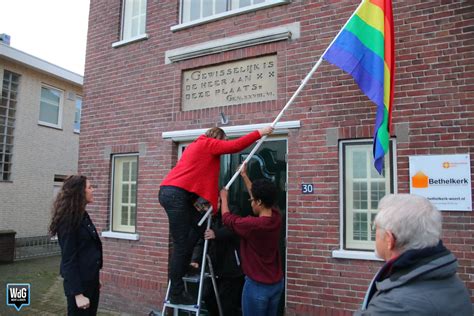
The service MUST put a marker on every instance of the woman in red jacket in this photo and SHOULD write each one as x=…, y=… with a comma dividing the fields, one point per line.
x=196, y=175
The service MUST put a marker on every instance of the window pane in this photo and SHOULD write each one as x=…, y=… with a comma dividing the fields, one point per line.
x=244, y=3
x=207, y=6
x=360, y=195
x=124, y=193
x=77, y=115
x=132, y=215
x=50, y=96
x=49, y=113
x=124, y=215
x=360, y=226
x=133, y=171
x=49, y=105
x=363, y=189
x=377, y=192
x=198, y=9
x=134, y=18
x=126, y=171
x=221, y=6
x=360, y=164
x=195, y=10
x=133, y=194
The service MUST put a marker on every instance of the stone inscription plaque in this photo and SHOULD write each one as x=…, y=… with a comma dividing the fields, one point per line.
x=246, y=81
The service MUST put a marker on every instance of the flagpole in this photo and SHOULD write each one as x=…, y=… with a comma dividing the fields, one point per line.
x=290, y=101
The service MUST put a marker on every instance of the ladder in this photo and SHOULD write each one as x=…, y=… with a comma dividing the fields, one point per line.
x=197, y=307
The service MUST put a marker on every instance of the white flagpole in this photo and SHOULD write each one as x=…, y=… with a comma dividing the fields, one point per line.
x=290, y=101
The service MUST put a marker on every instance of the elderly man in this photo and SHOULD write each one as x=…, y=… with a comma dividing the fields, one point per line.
x=419, y=276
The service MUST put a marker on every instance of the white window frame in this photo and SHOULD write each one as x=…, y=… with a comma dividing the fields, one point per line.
x=60, y=107
x=231, y=12
x=367, y=252
x=116, y=194
x=127, y=22
x=79, y=115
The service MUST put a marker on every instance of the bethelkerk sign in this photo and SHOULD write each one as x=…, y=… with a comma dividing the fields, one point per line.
x=445, y=180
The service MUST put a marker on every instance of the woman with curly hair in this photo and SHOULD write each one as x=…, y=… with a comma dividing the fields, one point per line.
x=81, y=248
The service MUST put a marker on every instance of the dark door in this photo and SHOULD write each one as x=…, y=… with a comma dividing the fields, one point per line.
x=268, y=162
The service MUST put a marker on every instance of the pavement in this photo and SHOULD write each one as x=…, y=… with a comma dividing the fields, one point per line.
x=46, y=287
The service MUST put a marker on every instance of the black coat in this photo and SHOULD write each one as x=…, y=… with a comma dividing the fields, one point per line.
x=81, y=256
x=224, y=250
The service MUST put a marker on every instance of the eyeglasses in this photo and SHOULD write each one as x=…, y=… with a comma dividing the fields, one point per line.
x=373, y=227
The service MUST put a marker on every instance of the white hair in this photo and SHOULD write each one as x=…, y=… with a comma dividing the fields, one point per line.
x=413, y=220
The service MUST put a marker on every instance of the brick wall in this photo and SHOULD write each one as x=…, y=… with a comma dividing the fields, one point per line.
x=131, y=97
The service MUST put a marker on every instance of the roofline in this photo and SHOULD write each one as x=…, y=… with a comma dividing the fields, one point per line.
x=39, y=64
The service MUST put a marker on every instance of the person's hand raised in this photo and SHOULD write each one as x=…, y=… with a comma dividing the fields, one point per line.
x=267, y=130
x=209, y=234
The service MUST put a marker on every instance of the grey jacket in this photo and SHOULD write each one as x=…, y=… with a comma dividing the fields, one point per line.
x=429, y=287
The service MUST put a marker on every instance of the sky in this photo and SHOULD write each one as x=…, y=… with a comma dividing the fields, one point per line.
x=53, y=30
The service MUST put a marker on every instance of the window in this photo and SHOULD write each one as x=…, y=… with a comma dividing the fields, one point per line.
x=77, y=115
x=51, y=107
x=124, y=193
x=362, y=190
x=193, y=10
x=133, y=19
x=7, y=122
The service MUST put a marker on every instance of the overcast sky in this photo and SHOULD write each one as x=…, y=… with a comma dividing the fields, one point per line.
x=53, y=30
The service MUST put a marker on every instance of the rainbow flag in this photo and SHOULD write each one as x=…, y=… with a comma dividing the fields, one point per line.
x=365, y=49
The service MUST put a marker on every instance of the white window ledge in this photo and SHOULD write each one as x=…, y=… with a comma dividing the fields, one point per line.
x=231, y=131
x=130, y=40
x=274, y=34
x=46, y=124
x=116, y=235
x=352, y=254
x=228, y=14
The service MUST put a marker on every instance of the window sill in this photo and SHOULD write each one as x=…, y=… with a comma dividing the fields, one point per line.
x=353, y=254
x=116, y=235
x=228, y=14
x=274, y=34
x=130, y=40
x=45, y=124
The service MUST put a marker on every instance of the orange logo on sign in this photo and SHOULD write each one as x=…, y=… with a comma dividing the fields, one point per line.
x=419, y=180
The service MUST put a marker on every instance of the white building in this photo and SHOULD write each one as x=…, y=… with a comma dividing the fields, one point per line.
x=40, y=111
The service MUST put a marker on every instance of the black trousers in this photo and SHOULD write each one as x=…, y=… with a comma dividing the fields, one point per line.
x=230, y=295
x=183, y=219
x=92, y=292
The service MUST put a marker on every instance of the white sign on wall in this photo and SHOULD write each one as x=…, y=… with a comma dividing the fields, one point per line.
x=445, y=180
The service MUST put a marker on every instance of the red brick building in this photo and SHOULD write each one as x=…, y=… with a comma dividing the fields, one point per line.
x=160, y=72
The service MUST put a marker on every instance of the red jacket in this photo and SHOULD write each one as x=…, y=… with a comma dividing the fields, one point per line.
x=198, y=169
x=259, y=245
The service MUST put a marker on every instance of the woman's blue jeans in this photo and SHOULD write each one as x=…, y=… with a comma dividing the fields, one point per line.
x=183, y=219
x=260, y=299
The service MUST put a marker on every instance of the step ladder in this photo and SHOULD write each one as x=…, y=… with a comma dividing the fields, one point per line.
x=197, y=307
